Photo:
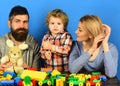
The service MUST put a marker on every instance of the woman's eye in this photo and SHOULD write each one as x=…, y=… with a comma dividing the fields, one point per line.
x=80, y=30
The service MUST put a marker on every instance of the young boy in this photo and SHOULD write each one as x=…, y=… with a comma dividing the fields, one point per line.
x=56, y=44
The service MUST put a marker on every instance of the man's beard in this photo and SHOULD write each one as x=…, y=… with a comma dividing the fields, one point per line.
x=19, y=34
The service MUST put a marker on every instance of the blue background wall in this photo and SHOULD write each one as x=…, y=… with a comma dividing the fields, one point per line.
x=107, y=10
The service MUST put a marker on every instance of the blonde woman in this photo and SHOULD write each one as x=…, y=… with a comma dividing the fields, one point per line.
x=91, y=51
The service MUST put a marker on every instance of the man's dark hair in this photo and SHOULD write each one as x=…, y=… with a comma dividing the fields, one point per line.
x=18, y=10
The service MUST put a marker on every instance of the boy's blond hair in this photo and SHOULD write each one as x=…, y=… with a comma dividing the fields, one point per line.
x=58, y=13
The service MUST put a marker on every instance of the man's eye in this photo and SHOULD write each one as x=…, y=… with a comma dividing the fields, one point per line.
x=25, y=21
x=17, y=21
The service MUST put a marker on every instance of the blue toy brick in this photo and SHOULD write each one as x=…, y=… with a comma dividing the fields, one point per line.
x=7, y=83
x=11, y=73
x=103, y=78
x=17, y=79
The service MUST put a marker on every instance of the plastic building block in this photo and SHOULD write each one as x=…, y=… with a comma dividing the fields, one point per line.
x=36, y=75
x=59, y=82
x=1, y=72
x=34, y=83
x=20, y=83
x=96, y=73
x=91, y=83
x=55, y=72
x=27, y=80
x=103, y=78
x=32, y=68
x=95, y=79
x=44, y=82
x=11, y=73
x=17, y=79
x=7, y=83
x=46, y=69
x=8, y=77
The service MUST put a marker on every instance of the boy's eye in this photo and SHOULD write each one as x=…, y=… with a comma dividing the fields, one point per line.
x=52, y=23
x=59, y=23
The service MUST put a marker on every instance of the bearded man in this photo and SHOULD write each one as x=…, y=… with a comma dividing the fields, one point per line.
x=18, y=24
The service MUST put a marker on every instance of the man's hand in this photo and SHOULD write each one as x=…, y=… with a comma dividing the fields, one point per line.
x=25, y=65
x=5, y=65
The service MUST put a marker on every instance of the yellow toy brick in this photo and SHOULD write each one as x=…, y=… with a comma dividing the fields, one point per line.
x=59, y=82
x=8, y=77
x=55, y=72
x=36, y=75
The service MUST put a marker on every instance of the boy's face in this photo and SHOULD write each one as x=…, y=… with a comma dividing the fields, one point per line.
x=55, y=25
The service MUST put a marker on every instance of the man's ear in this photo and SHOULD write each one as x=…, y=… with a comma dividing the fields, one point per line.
x=9, y=23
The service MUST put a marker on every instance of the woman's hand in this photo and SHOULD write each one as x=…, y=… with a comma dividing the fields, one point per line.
x=107, y=31
x=96, y=43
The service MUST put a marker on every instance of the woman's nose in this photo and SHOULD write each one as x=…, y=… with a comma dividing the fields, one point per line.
x=76, y=31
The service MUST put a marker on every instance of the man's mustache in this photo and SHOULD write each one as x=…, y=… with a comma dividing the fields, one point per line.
x=21, y=29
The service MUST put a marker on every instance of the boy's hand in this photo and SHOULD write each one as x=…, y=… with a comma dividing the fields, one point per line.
x=47, y=45
x=48, y=55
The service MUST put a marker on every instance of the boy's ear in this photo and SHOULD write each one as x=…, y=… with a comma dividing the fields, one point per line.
x=9, y=43
x=9, y=24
